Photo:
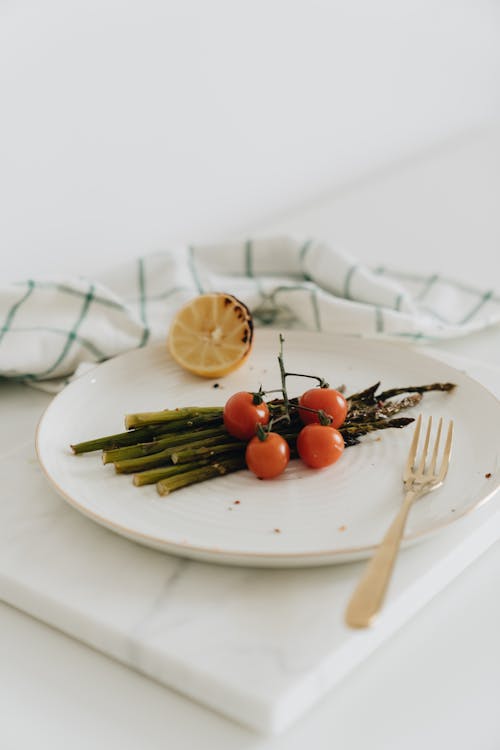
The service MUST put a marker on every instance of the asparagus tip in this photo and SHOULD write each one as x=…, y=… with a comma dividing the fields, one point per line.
x=401, y=421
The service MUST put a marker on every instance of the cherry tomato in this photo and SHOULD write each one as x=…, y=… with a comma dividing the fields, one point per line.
x=319, y=445
x=329, y=400
x=241, y=415
x=269, y=457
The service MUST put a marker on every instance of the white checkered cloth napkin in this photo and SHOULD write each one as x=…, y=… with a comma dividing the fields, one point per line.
x=49, y=326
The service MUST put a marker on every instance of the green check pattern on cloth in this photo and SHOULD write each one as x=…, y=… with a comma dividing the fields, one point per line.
x=48, y=327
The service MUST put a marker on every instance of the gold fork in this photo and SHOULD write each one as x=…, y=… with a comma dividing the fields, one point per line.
x=418, y=480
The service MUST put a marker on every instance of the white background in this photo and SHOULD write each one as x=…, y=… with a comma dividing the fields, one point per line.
x=126, y=126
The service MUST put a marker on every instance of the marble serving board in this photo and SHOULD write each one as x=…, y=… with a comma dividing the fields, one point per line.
x=260, y=646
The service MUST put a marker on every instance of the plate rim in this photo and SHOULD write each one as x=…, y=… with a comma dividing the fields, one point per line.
x=280, y=557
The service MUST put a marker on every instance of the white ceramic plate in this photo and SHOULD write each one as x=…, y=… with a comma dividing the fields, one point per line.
x=304, y=517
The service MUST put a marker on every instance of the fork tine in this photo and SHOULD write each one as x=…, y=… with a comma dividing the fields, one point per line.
x=413, y=450
x=447, y=453
x=432, y=467
x=421, y=466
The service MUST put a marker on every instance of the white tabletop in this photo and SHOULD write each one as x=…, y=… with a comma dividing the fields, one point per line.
x=435, y=683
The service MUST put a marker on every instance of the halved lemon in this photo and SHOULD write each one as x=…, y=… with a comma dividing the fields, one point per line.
x=211, y=335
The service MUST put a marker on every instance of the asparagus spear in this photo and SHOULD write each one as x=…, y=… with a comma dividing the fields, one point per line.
x=364, y=397
x=360, y=413
x=165, y=486
x=416, y=389
x=171, y=415
x=113, y=441
x=160, y=443
x=362, y=428
x=152, y=476
x=143, y=434
x=370, y=395
x=170, y=455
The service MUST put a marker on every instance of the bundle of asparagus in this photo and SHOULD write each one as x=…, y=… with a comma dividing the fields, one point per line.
x=178, y=447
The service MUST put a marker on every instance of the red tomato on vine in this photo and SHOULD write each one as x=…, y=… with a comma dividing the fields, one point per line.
x=320, y=445
x=243, y=412
x=329, y=400
x=267, y=457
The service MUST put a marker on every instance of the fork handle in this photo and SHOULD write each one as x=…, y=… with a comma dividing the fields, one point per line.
x=369, y=594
